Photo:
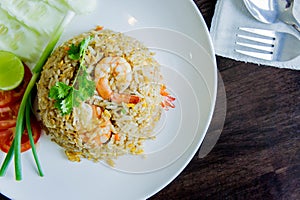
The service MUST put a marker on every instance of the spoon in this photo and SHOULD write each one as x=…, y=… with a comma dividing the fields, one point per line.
x=271, y=11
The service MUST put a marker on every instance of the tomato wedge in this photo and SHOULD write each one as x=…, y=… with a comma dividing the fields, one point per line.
x=5, y=124
x=7, y=136
x=10, y=112
x=9, y=107
x=6, y=113
x=11, y=96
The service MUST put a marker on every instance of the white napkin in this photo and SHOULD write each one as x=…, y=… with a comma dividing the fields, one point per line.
x=231, y=14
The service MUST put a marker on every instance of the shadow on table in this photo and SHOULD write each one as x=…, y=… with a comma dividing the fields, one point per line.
x=217, y=123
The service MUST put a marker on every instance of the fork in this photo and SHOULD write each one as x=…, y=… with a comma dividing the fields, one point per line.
x=267, y=44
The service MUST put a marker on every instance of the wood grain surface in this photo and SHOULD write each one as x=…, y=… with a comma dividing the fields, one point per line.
x=258, y=153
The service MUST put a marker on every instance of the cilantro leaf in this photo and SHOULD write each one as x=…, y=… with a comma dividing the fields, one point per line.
x=59, y=91
x=77, y=98
x=77, y=51
x=66, y=105
x=84, y=87
x=66, y=97
x=74, y=52
x=62, y=93
x=83, y=46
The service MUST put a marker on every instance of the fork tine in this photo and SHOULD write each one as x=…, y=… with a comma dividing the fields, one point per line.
x=257, y=39
x=265, y=56
x=266, y=33
x=257, y=43
x=271, y=45
x=254, y=46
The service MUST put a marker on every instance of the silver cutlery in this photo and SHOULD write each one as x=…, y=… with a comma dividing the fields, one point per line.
x=271, y=11
x=267, y=44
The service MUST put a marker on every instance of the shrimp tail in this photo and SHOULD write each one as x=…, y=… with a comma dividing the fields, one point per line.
x=168, y=99
x=168, y=102
x=126, y=98
x=106, y=93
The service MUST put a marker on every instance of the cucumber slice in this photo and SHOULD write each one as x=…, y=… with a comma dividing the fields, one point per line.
x=58, y=4
x=19, y=39
x=27, y=25
x=36, y=14
x=78, y=6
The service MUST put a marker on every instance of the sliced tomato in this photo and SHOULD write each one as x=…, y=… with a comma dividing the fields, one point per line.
x=5, y=98
x=6, y=113
x=3, y=134
x=11, y=96
x=5, y=124
x=7, y=136
x=10, y=112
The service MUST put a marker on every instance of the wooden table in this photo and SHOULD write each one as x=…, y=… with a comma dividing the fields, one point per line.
x=257, y=155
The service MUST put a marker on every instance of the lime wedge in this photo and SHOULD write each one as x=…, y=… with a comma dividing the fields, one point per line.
x=11, y=71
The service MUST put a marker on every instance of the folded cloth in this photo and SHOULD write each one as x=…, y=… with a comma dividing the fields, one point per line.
x=231, y=14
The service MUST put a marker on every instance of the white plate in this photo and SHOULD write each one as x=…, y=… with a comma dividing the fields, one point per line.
x=86, y=180
x=182, y=61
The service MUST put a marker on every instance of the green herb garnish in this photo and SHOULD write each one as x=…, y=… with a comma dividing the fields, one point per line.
x=28, y=110
x=15, y=148
x=74, y=52
x=69, y=96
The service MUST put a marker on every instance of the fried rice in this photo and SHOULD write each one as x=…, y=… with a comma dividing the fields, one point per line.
x=101, y=128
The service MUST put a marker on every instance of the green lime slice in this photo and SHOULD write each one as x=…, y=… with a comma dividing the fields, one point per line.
x=11, y=71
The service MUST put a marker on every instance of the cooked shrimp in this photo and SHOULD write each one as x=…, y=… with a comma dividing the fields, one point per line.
x=98, y=136
x=106, y=92
x=94, y=125
x=83, y=115
x=102, y=132
x=168, y=99
x=118, y=69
